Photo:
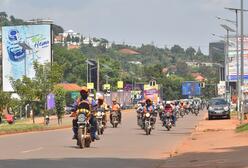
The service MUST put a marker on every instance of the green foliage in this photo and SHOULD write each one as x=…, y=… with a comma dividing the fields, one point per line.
x=242, y=128
x=59, y=102
x=4, y=100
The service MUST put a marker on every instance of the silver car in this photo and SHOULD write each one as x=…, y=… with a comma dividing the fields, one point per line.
x=218, y=107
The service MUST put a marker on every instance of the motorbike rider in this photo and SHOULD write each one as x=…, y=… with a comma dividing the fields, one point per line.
x=115, y=107
x=89, y=104
x=102, y=105
x=169, y=107
x=141, y=108
x=149, y=108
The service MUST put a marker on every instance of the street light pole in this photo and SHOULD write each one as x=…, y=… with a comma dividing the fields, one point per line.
x=228, y=30
x=98, y=77
x=236, y=10
x=242, y=56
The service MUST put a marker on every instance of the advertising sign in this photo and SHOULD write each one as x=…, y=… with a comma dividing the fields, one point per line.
x=191, y=88
x=232, y=54
x=90, y=85
x=151, y=92
x=120, y=84
x=22, y=46
x=221, y=88
x=106, y=86
x=50, y=101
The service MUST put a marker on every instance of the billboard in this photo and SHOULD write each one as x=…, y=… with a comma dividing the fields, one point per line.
x=232, y=54
x=22, y=46
x=151, y=92
x=191, y=88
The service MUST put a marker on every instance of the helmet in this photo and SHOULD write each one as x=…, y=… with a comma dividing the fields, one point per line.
x=100, y=97
x=84, y=89
x=148, y=100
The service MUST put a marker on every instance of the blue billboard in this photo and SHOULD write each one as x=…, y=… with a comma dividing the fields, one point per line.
x=22, y=46
x=191, y=88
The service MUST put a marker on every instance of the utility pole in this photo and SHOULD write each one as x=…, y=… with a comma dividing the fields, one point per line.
x=236, y=10
x=242, y=57
x=98, y=76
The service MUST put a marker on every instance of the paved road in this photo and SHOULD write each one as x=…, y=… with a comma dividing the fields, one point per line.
x=126, y=146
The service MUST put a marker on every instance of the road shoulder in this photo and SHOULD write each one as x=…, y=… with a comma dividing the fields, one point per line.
x=214, y=143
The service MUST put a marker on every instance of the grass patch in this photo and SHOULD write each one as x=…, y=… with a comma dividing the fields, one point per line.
x=16, y=128
x=242, y=128
x=21, y=128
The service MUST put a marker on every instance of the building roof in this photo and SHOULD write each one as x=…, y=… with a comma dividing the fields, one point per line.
x=198, y=76
x=69, y=86
x=128, y=51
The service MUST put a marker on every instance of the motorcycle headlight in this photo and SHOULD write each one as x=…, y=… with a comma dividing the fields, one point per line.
x=226, y=108
x=210, y=108
x=147, y=114
x=99, y=114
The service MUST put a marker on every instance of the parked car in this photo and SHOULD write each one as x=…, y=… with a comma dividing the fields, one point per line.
x=218, y=107
x=69, y=109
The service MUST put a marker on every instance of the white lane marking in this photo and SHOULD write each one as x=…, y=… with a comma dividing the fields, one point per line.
x=31, y=150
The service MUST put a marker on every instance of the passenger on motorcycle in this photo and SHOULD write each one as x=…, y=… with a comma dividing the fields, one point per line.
x=88, y=105
x=102, y=105
x=115, y=107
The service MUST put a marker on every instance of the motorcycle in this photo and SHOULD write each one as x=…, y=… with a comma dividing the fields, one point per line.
x=147, y=123
x=177, y=112
x=167, y=120
x=195, y=110
x=84, y=137
x=47, y=120
x=182, y=112
x=154, y=115
x=115, y=119
x=139, y=118
x=100, y=121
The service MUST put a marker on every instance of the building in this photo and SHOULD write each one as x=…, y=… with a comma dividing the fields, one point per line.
x=216, y=49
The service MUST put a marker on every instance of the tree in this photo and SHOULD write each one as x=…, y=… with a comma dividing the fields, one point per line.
x=182, y=68
x=27, y=89
x=199, y=52
x=59, y=103
x=68, y=38
x=176, y=49
x=57, y=29
x=4, y=100
x=46, y=76
x=190, y=52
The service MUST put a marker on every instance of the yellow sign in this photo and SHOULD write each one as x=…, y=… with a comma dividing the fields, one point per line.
x=120, y=84
x=90, y=85
x=106, y=86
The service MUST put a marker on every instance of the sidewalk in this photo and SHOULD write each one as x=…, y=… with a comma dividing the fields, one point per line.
x=214, y=143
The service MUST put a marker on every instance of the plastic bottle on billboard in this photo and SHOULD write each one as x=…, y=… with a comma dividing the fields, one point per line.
x=16, y=54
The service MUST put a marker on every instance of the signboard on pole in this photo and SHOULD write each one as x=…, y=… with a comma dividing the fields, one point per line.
x=90, y=85
x=232, y=54
x=106, y=86
x=221, y=88
x=21, y=47
x=120, y=84
x=151, y=92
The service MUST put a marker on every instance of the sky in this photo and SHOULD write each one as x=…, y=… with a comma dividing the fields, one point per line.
x=135, y=22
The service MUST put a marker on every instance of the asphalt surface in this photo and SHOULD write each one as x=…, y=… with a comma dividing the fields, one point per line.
x=124, y=147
